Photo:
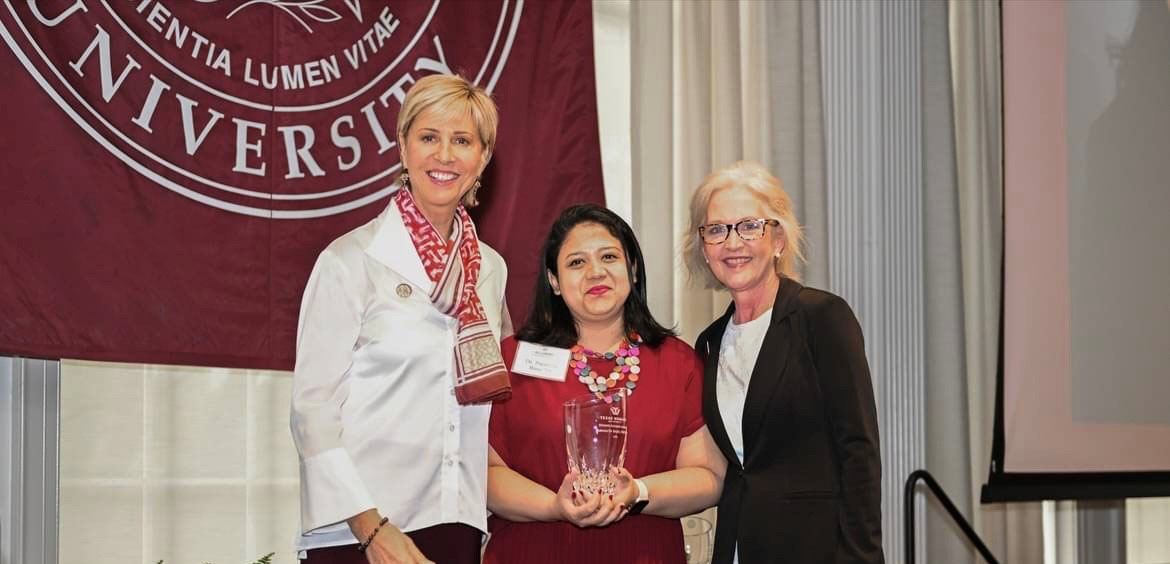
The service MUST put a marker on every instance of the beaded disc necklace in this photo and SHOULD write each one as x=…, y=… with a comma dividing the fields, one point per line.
x=626, y=366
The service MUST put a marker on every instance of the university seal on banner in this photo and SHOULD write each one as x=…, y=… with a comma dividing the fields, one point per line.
x=282, y=109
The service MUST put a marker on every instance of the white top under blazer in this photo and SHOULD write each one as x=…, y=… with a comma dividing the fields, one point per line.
x=374, y=416
x=738, y=351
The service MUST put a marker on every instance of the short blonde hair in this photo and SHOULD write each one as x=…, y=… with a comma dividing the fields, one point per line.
x=753, y=177
x=450, y=95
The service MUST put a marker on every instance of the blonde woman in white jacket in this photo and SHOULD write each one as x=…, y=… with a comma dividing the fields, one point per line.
x=389, y=415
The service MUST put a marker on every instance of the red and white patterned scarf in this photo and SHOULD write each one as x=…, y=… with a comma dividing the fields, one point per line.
x=480, y=374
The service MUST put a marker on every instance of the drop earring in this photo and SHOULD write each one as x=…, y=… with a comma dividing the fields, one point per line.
x=473, y=201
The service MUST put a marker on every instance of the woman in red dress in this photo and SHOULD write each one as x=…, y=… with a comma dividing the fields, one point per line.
x=592, y=300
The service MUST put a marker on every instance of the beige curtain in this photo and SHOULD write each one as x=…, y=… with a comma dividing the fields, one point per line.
x=1012, y=531
x=713, y=82
x=175, y=463
x=946, y=384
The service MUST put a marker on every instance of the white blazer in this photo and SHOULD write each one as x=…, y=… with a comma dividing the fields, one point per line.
x=374, y=416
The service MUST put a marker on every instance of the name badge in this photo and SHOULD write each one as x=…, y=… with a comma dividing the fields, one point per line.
x=541, y=361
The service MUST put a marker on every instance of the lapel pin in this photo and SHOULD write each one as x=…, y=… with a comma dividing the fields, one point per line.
x=403, y=290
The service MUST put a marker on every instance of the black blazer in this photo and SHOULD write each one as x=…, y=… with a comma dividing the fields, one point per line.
x=809, y=489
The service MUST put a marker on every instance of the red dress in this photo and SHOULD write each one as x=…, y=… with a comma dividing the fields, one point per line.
x=527, y=431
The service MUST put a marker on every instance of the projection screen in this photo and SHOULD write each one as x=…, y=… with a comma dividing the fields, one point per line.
x=1084, y=404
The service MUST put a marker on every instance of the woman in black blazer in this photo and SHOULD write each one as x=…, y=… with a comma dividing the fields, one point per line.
x=787, y=391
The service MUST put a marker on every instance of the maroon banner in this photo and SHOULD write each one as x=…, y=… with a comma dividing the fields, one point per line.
x=171, y=169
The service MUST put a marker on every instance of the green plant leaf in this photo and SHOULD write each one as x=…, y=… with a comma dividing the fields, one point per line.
x=266, y=559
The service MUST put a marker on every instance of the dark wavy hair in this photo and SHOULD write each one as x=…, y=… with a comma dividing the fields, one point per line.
x=550, y=322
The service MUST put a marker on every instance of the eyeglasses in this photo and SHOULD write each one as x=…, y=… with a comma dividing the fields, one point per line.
x=748, y=230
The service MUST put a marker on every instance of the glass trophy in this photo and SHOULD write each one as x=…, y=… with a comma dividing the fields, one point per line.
x=595, y=438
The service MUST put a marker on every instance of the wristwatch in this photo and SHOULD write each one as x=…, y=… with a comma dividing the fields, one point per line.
x=642, y=500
